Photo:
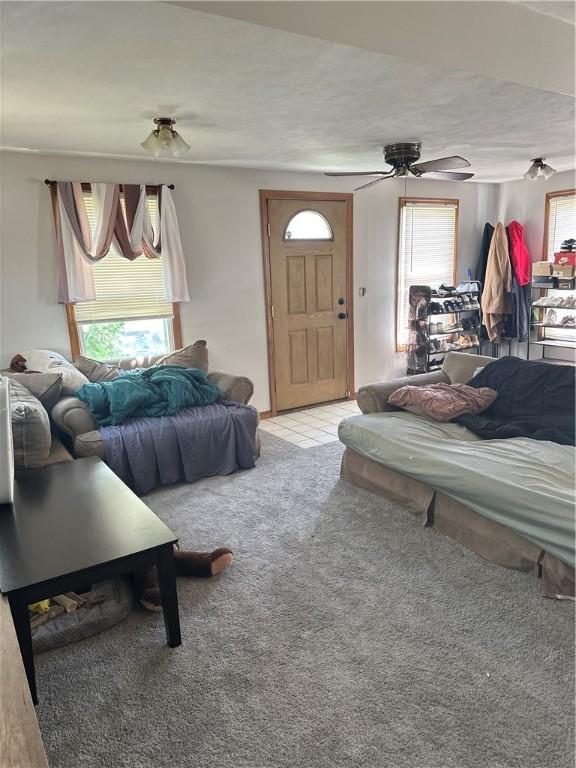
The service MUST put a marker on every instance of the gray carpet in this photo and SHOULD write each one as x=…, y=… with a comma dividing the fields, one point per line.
x=345, y=635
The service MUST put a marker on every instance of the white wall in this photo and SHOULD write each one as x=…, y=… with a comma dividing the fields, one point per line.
x=525, y=201
x=219, y=218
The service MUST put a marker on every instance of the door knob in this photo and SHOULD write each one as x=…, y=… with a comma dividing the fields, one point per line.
x=341, y=301
x=342, y=315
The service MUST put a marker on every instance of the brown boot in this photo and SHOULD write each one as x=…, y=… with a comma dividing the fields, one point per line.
x=202, y=564
x=150, y=595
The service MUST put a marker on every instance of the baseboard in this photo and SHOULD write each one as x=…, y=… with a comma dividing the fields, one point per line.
x=266, y=415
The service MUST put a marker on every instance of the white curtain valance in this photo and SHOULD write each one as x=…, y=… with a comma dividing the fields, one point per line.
x=128, y=227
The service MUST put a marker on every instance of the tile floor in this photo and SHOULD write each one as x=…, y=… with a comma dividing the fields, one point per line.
x=311, y=426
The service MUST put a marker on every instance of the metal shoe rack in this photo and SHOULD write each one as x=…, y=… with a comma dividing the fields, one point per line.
x=451, y=310
x=564, y=308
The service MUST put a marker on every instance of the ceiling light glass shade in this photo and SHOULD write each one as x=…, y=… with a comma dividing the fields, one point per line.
x=164, y=141
x=539, y=170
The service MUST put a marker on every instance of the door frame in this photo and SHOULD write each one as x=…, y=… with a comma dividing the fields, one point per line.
x=275, y=194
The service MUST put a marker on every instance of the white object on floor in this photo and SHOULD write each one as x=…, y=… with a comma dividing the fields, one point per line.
x=311, y=427
x=6, y=445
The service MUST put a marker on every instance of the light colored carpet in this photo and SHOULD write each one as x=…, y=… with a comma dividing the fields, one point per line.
x=345, y=635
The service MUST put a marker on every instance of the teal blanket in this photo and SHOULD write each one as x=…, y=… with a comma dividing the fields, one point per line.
x=162, y=390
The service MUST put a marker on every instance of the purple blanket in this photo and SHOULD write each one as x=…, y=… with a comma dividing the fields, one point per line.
x=198, y=442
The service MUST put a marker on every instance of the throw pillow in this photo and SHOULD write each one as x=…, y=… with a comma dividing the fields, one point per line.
x=443, y=402
x=45, y=386
x=44, y=361
x=193, y=356
x=30, y=428
x=95, y=370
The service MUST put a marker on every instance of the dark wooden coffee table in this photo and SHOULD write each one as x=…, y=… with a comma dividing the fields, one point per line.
x=74, y=524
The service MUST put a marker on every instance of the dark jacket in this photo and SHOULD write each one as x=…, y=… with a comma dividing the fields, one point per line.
x=484, y=248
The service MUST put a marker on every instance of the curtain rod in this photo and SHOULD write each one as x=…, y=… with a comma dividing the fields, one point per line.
x=49, y=182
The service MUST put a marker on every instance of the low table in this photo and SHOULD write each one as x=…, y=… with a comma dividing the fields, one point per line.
x=74, y=524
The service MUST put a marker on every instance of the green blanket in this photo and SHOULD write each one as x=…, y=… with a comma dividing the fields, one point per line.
x=162, y=390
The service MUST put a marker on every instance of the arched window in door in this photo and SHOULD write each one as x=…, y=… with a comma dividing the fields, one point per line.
x=308, y=225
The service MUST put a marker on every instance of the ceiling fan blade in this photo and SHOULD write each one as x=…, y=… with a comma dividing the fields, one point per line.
x=356, y=173
x=442, y=164
x=449, y=176
x=371, y=183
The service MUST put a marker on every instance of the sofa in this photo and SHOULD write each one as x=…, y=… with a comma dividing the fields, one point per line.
x=72, y=417
x=510, y=501
x=51, y=423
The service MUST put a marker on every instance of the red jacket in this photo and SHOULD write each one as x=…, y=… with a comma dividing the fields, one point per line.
x=519, y=256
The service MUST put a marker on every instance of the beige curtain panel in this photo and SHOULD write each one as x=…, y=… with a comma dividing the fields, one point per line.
x=128, y=227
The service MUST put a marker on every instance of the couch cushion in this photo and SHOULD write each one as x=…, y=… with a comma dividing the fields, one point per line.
x=30, y=428
x=95, y=370
x=443, y=402
x=460, y=367
x=508, y=481
x=193, y=356
x=45, y=386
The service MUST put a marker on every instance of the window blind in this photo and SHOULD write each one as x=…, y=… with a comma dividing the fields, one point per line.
x=427, y=251
x=125, y=289
x=561, y=222
x=561, y=226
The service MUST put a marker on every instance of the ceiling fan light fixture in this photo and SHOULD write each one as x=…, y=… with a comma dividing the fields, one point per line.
x=539, y=170
x=164, y=140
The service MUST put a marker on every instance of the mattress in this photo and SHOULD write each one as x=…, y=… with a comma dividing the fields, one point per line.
x=524, y=484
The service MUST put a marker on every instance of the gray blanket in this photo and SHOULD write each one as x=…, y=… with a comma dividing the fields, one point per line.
x=198, y=442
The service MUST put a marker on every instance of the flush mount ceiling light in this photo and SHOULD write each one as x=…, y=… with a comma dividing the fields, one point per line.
x=539, y=170
x=164, y=141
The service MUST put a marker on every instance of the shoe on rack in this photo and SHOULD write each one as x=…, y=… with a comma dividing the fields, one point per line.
x=551, y=317
x=435, y=308
x=432, y=329
x=541, y=302
x=466, y=301
x=453, y=327
x=447, y=288
x=440, y=328
x=568, y=322
x=444, y=346
x=475, y=341
x=567, y=245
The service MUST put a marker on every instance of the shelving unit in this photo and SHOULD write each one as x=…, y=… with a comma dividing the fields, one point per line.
x=538, y=324
x=421, y=356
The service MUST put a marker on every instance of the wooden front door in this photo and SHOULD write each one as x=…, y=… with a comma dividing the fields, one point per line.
x=308, y=242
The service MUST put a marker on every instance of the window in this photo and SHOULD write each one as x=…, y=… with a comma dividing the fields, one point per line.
x=560, y=221
x=130, y=315
x=559, y=225
x=427, y=240
x=308, y=225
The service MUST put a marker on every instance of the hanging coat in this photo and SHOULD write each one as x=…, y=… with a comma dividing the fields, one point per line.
x=519, y=255
x=496, y=300
x=484, y=248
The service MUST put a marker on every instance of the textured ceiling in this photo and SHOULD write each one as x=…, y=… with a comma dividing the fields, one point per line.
x=563, y=9
x=88, y=77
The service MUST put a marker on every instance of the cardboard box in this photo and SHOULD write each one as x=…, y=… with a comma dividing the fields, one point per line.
x=543, y=281
x=562, y=270
x=542, y=268
x=565, y=283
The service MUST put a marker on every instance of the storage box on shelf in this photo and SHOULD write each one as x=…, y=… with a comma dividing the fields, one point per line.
x=442, y=321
